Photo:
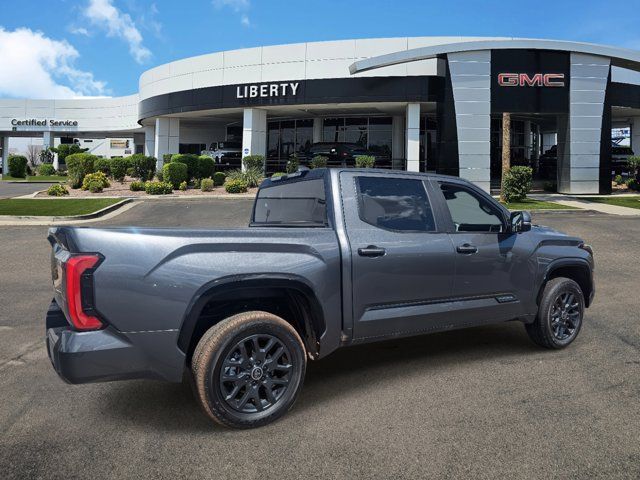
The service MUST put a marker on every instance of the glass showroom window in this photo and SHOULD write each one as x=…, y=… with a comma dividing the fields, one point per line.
x=284, y=138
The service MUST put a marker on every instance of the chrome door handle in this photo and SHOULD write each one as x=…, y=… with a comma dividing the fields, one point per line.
x=466, y=248
x=371, y=251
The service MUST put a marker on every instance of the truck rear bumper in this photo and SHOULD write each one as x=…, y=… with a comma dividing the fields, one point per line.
x=106, y=355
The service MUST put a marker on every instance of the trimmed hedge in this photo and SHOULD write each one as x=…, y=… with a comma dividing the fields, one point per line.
x=166, y=158
x=206, y=185
x=517, y=183
x=319, y=161
x=205, y=166
x=95, y=182
x=219, y=178
x=253, y=162
x=143, y=167
x=46, y=170
x=236, y=186
x=78, y=166
x=365, y=161
x=137, y=186
x=57, y=190
x=119, y=167
x=102, y=165
x=190, y=160
x=158, y=188
x=18, y=166
x=175, y=173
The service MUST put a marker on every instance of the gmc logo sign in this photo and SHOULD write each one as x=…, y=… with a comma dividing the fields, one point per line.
x=536, y=80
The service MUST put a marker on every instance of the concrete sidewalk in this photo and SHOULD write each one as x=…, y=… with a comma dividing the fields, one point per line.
x=582, y=202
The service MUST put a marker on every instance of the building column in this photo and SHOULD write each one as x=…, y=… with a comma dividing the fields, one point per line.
x=5, y=155
x=166, y=138
x=397, y=140
x=47, y=142
x=579, y=169
x=471, y=84
x=149, y=141
x=317, y=129
x=254, y=132
x=413, y=137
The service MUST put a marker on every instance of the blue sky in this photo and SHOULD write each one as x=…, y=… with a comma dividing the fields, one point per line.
x=64, y=48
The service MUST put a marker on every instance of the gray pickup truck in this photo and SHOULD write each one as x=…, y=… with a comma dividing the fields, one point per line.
x=331, y=258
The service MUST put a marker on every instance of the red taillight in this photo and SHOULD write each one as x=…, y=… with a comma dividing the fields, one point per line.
x=75, y=267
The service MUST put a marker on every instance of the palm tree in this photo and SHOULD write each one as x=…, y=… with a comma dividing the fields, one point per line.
x=506, y=150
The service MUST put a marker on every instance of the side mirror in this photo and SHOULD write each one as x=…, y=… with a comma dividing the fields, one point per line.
x=520, y=221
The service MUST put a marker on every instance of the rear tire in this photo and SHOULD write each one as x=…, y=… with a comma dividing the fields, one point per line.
x=248, y=369
x=560, y=314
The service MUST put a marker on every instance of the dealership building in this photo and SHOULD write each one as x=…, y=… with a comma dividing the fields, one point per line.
x=420, y=103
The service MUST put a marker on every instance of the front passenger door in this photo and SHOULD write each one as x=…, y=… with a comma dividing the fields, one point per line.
x=494, y=267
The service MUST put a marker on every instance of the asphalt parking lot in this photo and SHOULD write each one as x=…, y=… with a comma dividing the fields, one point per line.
x=479, y=403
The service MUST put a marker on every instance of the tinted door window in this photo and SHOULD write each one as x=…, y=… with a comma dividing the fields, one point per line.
x=395, y=204
x=471, y=212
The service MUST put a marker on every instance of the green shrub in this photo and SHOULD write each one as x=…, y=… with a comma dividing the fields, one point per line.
x=183, y=186
x=278, y=174
x=365, y=161
x=219, y=178
x=190, y=160
x=618, y=180
x=255, y=162
x=159, y=175
x=251, y=176
x=158, y=188
x=166, y=158
x=46, y=170
x=319, y=161
x=196, y=182
x=17, y=166
x=236, y=186
x=78, y=166
x=634, y=166
x=93, y=179
x=136, y=186
x=206, y=185
x=517, y=183
x=293, y=163
x=175, y=173
x=102, y=165
x=118, y=168
x=57, y=190
x=143, y=167
x=66, y=149
x=205, y=166
x=632, y=184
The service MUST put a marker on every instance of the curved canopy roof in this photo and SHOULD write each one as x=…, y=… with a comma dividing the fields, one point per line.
x=620, y=57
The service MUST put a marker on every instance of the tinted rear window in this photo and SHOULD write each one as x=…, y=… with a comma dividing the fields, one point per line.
x=292, y=203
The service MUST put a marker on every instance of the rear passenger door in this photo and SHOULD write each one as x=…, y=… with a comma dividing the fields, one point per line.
x=402, y=263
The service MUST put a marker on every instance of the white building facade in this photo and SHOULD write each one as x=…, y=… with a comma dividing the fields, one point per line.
x=418, y=103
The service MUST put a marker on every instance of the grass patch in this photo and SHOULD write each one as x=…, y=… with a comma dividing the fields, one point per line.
x=36, y=178
x=631, y=202
x=53, y=207
x=531, y=204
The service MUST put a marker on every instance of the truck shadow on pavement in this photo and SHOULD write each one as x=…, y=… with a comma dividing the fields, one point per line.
x=172, y=407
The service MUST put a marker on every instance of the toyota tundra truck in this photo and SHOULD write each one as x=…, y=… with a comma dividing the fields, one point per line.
x=330, y=258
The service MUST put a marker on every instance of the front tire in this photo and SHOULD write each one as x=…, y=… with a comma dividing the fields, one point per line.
x=248, y=369
x=560, y=314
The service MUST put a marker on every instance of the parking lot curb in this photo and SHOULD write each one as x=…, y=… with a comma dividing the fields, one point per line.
x=110, y=212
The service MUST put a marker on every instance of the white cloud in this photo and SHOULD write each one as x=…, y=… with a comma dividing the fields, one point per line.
x=79, y=31
x=238, y=6
x=35, y=66
x=102, y=14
